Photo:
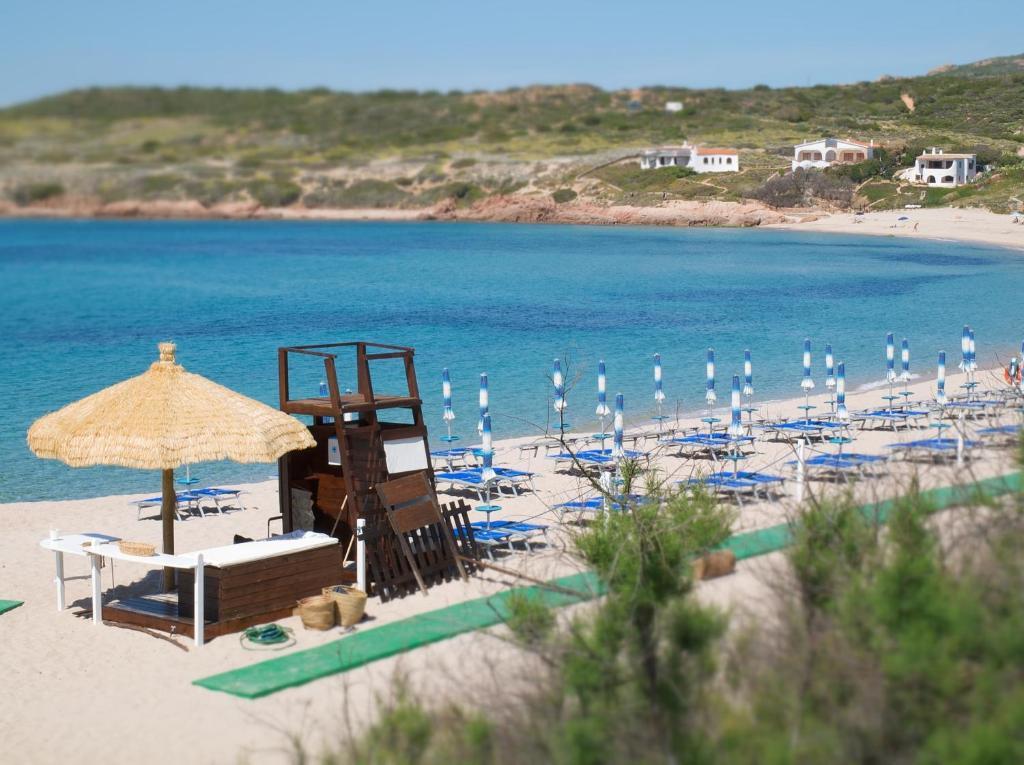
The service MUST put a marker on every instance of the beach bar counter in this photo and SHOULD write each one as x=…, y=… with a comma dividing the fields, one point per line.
x=220, y=590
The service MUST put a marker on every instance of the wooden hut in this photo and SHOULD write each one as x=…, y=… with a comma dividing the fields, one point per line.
x=363, y=437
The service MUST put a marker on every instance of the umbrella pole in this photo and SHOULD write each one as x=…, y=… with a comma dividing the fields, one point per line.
x=167, y=511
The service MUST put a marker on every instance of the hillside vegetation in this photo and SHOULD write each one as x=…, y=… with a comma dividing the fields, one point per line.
x=319, y=148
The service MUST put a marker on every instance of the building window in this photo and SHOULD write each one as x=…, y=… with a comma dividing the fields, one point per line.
x=705, y=160
x=728, y=160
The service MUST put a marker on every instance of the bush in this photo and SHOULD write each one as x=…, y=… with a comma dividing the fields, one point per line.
x=462, y=193
x=360, y=194
x=30, y=193
x=805, y=188
x=464, y=162
x=270, y=192
x=564, y=195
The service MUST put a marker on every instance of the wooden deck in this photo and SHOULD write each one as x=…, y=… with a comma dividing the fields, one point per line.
x=160, y=612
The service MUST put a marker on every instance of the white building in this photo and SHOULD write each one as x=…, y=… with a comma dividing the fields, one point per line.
x=936, y=168
x=673, y=106
x=826, y=152
x=697, y=158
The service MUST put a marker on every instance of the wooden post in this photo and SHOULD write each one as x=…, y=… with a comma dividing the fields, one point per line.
x=168, y=509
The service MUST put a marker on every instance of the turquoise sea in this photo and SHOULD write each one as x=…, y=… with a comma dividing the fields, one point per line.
x=85, y=303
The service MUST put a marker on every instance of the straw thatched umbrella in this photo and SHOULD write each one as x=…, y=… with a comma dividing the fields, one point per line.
x=163, y=419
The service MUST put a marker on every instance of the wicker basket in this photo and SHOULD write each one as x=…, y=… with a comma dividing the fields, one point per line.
x=350, y=603
x=317, y=612
x=136, y=548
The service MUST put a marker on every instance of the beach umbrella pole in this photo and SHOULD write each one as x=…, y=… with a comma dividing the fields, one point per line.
x=168, y=507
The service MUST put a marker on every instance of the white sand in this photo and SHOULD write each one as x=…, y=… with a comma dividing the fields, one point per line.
x=945, y=223
x=83, y=693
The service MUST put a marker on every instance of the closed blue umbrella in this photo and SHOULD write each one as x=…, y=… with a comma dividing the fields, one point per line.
x=940, y=380
x=485, y=407
x=602, y=396
x=748, y=375
x=559, y=383
x=449, y=413
x=617, y=450
x=841, y=411
x=905, y=360
x=446, y=392
x=735, y=425
x=807, y=383
x=659, y=394
x=973, y=355
x=830, y=368
x=890, y=358
x=965, y=348
x=487, y=450
x=710, y=395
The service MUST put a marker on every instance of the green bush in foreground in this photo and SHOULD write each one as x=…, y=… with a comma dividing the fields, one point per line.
x=873, y=644
x=563, y=195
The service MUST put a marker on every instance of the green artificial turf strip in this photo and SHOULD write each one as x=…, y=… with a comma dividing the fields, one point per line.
x=372, y=645
x=362, y=648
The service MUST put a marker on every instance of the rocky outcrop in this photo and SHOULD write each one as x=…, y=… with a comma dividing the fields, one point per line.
x=525, y=208
x=542, y=209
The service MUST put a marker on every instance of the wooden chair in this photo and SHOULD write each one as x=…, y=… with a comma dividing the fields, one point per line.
x=414, y=514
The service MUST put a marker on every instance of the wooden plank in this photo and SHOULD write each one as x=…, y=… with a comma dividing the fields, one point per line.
x=398, y=491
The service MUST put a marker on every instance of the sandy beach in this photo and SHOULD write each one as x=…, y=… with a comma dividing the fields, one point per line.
x=78, y=692
x=953, y=224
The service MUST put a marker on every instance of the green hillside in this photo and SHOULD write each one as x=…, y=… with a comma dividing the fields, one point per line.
x=323, y=148
x=985, y=68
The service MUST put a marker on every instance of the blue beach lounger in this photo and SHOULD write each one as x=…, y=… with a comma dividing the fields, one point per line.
x=516, y=529
x=582, y=459
x=217, y=494
x=488, y=539
x=508, y=476
x=934, y=446
x=466, y=479
x=185, y=501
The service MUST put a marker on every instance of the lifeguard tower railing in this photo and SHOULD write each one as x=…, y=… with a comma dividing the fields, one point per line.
x=364, y=400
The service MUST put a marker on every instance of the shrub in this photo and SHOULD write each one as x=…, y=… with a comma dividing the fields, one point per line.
x=29, y=193
x=463, y=162
x=564, y=195
x=360, y=194
x=462, y=193
x=805, y=188
x=271, y=192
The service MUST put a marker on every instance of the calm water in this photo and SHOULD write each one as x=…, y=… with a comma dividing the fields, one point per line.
x=84, y=304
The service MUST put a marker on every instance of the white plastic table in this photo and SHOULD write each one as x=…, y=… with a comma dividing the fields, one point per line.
x=73, y=543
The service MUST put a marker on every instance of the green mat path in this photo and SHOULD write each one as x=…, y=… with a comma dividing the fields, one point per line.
x=9, y=605
x=371, y=645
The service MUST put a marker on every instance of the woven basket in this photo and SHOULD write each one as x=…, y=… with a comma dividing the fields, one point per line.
x=317, y=612
x=350, y=603
x=136, y=548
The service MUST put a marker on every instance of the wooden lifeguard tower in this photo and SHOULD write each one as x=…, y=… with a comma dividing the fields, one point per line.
x=363, y=438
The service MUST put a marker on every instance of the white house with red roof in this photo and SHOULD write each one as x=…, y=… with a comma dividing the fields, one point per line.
x=698, y=158
x=826, y=152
